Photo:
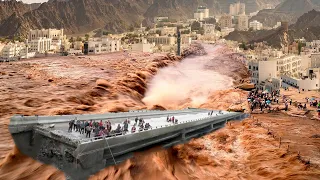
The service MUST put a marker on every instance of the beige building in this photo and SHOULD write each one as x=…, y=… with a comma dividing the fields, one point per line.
x=225, y=21
x=166, y=31
x=243, y=22
x=54, y=34
x=315, y=60
x=165, y=40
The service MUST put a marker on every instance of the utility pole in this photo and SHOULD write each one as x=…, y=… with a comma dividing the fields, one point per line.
x=178, y=42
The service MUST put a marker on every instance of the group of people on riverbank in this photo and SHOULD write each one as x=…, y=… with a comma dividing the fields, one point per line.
x=262, y=100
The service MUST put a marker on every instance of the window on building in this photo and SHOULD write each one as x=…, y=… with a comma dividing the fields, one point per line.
x=249, y=67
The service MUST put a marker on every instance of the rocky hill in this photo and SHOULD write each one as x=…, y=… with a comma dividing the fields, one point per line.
x=81, y=16
x=307, y=26
x=7, y=8
x=289, y=10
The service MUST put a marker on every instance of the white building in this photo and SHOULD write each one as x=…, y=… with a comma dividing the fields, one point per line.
x=262, y=70
x=14, y=51
x=315, y=60
x=40, y=45
x=255, y=25
x=103, y=45
x=265, y=69
x=143, y=46
x=243, y=22
x=160, y=19
x=204, y=10
x=277, y=25
x=201, y=13
x=304, y=84
x=237, y=9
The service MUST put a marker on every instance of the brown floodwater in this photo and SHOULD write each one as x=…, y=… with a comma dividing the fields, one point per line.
x=119, y=82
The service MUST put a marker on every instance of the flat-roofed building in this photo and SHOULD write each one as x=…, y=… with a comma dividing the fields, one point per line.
x=103, y=45
x=165, y=40
x=55, y=34
x=315, y=60
x=14, y=51
x=40, y=45
x=256, y=25
x=225, y=21
x=243, y=22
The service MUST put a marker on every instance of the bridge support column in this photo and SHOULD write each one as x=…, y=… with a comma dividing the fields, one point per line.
x=183, y=135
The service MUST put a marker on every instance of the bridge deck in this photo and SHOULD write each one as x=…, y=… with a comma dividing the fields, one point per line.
x=156, y=122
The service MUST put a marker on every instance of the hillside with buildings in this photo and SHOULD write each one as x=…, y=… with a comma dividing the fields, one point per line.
x=289, y=10
x=82, y=16
x=307, y=26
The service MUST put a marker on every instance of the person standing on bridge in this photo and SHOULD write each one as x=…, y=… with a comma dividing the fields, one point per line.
x=88, y=131
x=86, y=124
x=133, y=129
x=82, y=126
x=71, y=123
x=74, y=124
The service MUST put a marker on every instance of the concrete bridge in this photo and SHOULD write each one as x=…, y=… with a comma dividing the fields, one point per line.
x=79, y=157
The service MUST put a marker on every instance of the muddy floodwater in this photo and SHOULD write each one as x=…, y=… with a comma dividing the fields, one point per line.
x=120, y=81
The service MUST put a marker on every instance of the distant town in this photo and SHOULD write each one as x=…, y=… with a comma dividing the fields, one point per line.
x=294, y=65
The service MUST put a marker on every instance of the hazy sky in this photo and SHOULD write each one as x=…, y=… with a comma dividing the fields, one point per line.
x=34, y=1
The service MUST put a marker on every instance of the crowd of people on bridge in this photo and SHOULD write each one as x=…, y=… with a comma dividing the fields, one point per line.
x=102, y=129
x=172, y=120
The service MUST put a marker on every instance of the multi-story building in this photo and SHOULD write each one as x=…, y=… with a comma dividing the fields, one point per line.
x=143, y=46
x=198, y=15
x=243, y=22
x=255, y=25
x=289, y=65
x=164, y=40
x=314, y=46
x=209, y=28
x=225, y=21
x=301, y=83
x=103, y=45
x=237, y=9
x=204, y=10
x=40, y=45
x=264, y=69
x=315, y=60
x=14, y=51
x=166, y=31
x=54, y=34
